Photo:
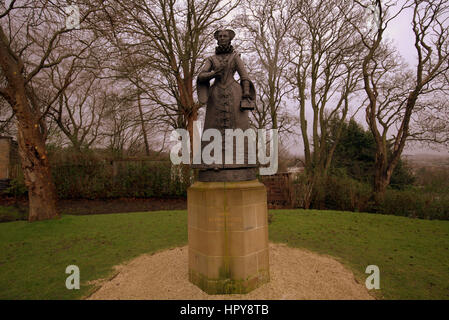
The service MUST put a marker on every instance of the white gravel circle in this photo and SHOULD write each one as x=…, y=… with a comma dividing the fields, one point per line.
x=296, y=274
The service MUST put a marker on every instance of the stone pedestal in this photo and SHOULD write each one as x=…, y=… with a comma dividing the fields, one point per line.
x=228, y=236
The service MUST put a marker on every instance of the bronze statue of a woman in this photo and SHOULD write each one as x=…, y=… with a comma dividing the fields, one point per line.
x=228, y=103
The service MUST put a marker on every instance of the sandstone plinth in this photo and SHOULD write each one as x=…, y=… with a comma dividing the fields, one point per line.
x=228, y=236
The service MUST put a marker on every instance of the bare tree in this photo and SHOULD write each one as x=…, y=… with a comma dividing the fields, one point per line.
x=266, y=25
x=172, y=35
x=325, y=66
x=431, y=122
x=83, y=86
x=135, y=75
x=431, y=32
x=33, y=37
x=119, y=129
x=79, y=110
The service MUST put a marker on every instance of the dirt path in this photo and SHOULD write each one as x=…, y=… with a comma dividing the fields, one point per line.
x=295, y=274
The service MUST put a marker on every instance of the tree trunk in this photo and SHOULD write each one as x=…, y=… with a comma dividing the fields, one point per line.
x=142, y=123
x=193, y=116
x=380, y=187
x=33, y=154
x=307, y=197
x=35, y=164
x=383, y=170
x=381, y=180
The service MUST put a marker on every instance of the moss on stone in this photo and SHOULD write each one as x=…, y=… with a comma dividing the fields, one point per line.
x=227, y=285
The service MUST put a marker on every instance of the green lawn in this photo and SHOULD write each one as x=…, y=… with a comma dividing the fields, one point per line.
x=34, y=256
x=412, y=255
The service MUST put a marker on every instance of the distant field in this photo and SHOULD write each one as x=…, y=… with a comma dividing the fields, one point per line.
x=427, y=160
x=412, y=254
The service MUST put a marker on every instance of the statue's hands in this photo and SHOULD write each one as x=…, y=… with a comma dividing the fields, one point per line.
x=246, y=92
x=218, y=73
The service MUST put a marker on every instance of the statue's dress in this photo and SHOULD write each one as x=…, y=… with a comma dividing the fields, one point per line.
x=223, y=112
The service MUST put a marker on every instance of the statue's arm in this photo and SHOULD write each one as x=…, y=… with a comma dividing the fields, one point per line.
x=244, y=78
x=206, y=73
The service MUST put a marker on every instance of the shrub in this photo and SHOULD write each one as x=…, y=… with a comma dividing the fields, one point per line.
x=11, y=213
x=17, y=188
x=347, y=194
x=416, y=203
x=335, y=192
x=91, y=176
x=127, y=179
x=341, y=192
x=82, y=180
x=148, y=180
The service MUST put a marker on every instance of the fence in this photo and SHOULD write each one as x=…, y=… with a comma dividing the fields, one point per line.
x=279, y=189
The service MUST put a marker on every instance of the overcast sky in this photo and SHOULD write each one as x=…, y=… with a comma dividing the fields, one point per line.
x=400, y=32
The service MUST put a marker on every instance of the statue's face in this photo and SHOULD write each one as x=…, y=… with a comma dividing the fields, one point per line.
x=223, y=38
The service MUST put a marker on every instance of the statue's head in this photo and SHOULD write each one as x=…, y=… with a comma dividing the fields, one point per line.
x=224, y=36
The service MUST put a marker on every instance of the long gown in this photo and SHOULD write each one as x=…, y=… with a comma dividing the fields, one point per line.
x=223, y=112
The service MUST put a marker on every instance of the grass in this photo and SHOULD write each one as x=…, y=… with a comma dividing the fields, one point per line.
x=412, y=254
x=34, y=256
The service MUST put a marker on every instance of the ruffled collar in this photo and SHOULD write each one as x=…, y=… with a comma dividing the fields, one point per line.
x=224, y=49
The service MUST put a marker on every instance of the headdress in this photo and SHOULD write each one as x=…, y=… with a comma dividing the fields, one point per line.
x=229, y=31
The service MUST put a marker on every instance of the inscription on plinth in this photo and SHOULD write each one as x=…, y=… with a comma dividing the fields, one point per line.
x=228, y=236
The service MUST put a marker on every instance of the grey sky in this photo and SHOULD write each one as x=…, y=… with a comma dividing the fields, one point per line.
x=400, y=32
